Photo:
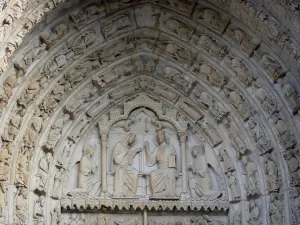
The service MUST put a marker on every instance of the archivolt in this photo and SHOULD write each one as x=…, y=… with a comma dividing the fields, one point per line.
x=207, y=52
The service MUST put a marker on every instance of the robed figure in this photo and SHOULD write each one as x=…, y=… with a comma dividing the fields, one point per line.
x=88, y=181
x=125, y=180
x=200, y=180
x=163, y=179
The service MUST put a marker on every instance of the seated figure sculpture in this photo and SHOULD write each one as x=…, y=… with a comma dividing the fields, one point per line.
x=125, y=180
x=89, y=183
x=200, y=180
x=163, y=179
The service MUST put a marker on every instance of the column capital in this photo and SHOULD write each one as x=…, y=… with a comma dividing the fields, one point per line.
x=182, y=136
x=103, y=137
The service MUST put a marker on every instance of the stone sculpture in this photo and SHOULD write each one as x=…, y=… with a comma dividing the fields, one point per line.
x=218, y=111
x=22, y=173
x=240, y=69
x=34, y=54
x=285, y=135
x=50, y=37
x=260, y=136
x=58, y=179
x=190, y=110
x=209, y=74
x=212, y=46
x=273, y=68
x=5, y=155
x=163, y=179
x=38, y=211
x=44, y=165
x=252, y=186
x=266, y=100
x=291, y=96
x=224, y=157
x=293, y=167
x=275, y=210
x=235, y=217
x=239, y=102
x=272, y=174
x=54, y=134
x=3, y=201
x=125, y=180
x=237, y=140
x=234, y=188
x=21, y=213
x=211, y=134
x=254, y=213
x=88, y=181
x=200, y=180
x=55, y=216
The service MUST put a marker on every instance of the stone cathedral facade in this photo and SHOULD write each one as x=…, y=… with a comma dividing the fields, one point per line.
x=149, y=112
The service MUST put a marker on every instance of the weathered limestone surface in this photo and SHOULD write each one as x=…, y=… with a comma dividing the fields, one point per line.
x=122, y=112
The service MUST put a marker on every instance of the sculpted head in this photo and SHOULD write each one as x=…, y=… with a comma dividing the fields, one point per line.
x=198, y=149
x=160, y=135
x=49, y=156
x=131, y=138
x=90, y=150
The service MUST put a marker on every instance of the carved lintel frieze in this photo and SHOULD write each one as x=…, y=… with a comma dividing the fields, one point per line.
x=70, y=205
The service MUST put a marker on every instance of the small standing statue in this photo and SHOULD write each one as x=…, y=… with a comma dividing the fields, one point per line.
x=125, y=181
x=163, y=179
x=200, y=181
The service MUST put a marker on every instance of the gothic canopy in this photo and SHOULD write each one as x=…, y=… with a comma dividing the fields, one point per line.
x=161, y=112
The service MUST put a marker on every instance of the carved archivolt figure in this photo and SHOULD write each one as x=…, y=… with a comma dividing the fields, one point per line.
x=211, y=134
x=216, y=108
x=254, y=214
x=275, y=211
x=34, y=54
x=3, y=201
x=235, y=219
x=240, y=69
x=179, y=27
x=286, y=137
x=21, y=207
x=235, y=191
x=44, y=166
x=294, y=168
x=292, y=96
x=163, y=179
x=54, y=134
x=5, y=155
x=200, y=180
x=273, y=68
x=237, y=140
x=226, y=161
x=252, y=186
x=266, y=100
x=125, y=180
x=38, y=211
x=89, y=184
x=239, y=102
x=271, y=171
x=190, y=110
x=260, y=136
x=58, y=178
x=22, y=169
